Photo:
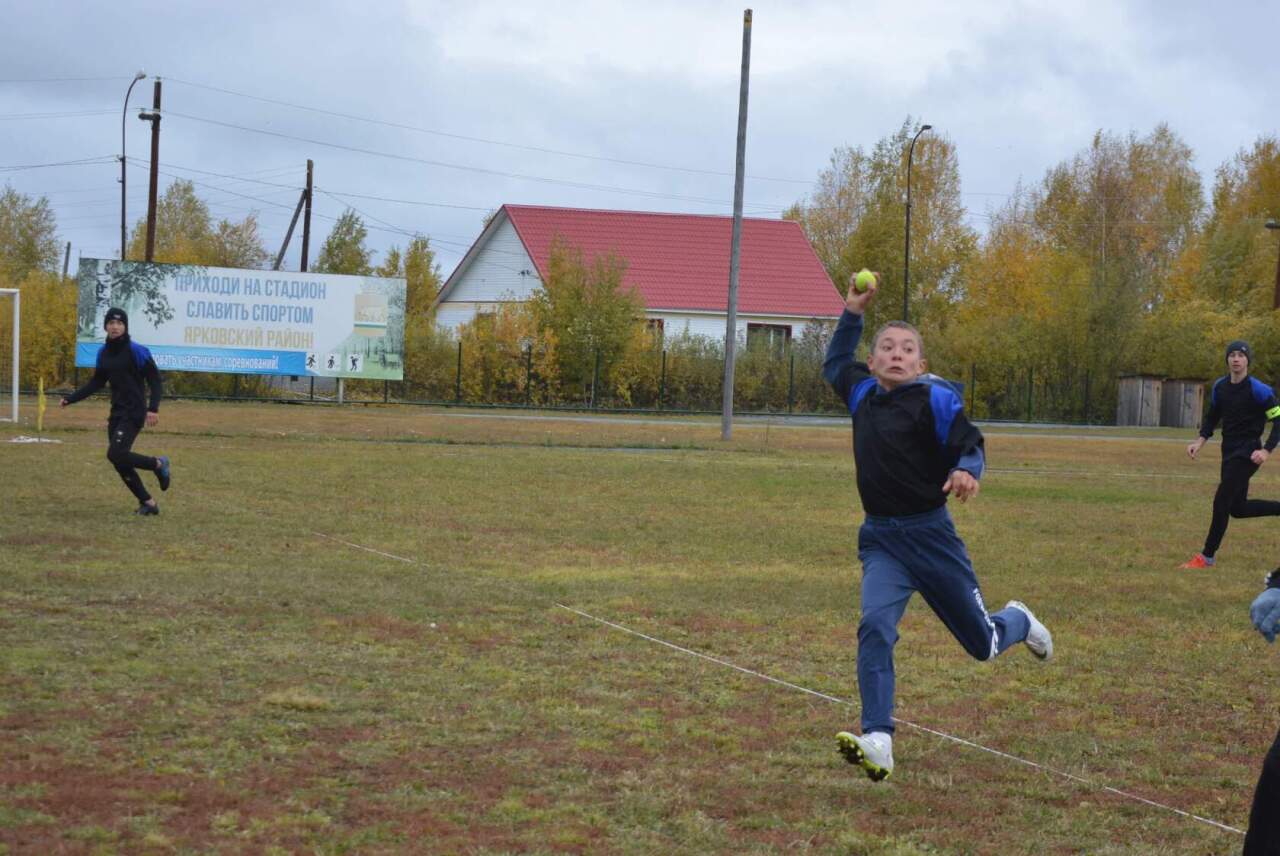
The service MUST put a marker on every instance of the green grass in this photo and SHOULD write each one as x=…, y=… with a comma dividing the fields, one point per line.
x=225, y=678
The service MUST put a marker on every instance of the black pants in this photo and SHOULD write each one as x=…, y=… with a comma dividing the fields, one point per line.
x=1264, y=820
x=1232, y=500
x=122, y=430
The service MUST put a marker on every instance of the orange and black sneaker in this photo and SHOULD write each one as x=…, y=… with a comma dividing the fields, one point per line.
x=1197, y=561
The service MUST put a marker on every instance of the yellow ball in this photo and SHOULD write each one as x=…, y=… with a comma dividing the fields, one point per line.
x=864, y=280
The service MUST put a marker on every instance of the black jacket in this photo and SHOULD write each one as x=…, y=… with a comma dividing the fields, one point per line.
x=1244, y=409
x=129, y=369
x=906, y=441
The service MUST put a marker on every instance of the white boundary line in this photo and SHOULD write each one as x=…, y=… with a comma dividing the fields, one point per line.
x=836, y=700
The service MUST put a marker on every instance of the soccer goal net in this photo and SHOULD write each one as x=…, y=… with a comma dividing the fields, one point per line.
x=10, y=317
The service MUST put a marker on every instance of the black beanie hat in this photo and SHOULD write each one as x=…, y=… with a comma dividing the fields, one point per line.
x=1241, y=346
x=114, y=314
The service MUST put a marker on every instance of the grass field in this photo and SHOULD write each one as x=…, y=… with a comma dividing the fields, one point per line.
x=230, y=678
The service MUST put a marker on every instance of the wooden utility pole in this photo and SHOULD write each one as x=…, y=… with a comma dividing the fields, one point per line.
x=1273, y=225
x=302, y=197
x=306, y=218
x=735, y=244
x=66, y=260
x=154, y=118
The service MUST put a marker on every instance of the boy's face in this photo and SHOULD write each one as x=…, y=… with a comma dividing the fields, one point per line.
x=1237, y=362
x=895, y=358
x=115, y=329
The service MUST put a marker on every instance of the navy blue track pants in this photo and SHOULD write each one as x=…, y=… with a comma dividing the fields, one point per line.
x=919, y=553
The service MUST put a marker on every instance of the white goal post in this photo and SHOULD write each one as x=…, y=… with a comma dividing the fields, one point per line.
x=12, y=416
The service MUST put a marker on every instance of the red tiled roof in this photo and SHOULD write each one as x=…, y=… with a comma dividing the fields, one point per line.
x=681, y=261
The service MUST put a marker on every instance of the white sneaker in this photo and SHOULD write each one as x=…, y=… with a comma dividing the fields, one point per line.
x=872, y=752
x=1039, y=640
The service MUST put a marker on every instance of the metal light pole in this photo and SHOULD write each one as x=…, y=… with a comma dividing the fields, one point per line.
x=123, y=164
x=1272, y=224
x=906, y=256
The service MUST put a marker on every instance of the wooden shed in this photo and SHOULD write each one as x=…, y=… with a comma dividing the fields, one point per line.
x=1182, y=403
x=1140, y=398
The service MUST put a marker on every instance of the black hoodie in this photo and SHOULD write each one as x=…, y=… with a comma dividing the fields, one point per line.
x=127, y=367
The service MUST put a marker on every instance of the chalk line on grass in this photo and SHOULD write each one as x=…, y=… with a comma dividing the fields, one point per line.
x=840, y=701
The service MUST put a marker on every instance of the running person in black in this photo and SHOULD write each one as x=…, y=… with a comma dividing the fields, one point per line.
x=127, y=367
x=1263, y=838
x=1243, y=405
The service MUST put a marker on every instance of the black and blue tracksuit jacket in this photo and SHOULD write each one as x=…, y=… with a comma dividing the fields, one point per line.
x=906, y=441
x=1244, y=409
x=131, y=372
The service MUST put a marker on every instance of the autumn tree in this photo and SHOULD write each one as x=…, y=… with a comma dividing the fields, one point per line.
x=28, y=239
x=344, y=251
x=187, y=234
x=1072, y=268
x=425, y=347
x=588, y=310
x=855, y=218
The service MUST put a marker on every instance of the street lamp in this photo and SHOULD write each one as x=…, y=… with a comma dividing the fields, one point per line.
x=906, y=256
x=123, y=165
x=1272, y=224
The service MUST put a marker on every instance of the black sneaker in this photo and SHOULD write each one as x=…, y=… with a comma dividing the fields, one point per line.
x=147, y=510
x=162, y=471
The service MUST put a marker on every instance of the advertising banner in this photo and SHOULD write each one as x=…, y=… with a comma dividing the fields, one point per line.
x=210, y=319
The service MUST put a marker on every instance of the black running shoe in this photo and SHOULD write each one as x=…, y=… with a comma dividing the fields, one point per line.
x=162, y=471
x=147, y=510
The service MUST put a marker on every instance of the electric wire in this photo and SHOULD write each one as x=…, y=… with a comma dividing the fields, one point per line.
x=580, y=185
x=470, y=139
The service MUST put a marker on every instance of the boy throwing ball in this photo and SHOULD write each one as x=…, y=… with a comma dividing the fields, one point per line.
x=912, y=446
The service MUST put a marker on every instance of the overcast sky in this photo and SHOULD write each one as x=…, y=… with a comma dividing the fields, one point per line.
x=594, y=104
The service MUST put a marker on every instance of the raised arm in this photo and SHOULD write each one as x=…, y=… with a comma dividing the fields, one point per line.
x=839, y=368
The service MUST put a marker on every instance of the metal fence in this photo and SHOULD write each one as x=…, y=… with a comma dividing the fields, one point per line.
x=768, y=380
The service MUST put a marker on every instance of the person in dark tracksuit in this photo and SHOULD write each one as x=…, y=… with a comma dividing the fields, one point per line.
x=1243, y=405
x=912, y=447
x=1263, y=838
x=129, y=369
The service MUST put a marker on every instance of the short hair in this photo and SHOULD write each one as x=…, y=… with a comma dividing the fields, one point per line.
x=898, y=325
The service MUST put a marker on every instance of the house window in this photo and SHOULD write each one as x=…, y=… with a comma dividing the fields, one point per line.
x=655, y=328
x=776, y=337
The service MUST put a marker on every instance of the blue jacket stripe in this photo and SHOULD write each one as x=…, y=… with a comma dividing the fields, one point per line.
x=1213, y=394
x=1261, y=392
x=140, y=354
x=859, y=393
x=945, y=405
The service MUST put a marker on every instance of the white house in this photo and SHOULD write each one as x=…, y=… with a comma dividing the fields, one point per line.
x=679, y=264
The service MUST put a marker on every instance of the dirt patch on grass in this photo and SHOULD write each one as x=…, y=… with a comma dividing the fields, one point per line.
x=384, y=628
x=46, y=539
x=703, y=622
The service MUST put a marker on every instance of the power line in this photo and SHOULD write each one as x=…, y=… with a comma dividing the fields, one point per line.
x=16, y=117
x=244, y=176
x=58, y=79
x=452, y=136
x=100, y=159
x=443, y=164
x=405, y=201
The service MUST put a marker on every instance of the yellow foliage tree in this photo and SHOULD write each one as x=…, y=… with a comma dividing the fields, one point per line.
x=507, y=357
